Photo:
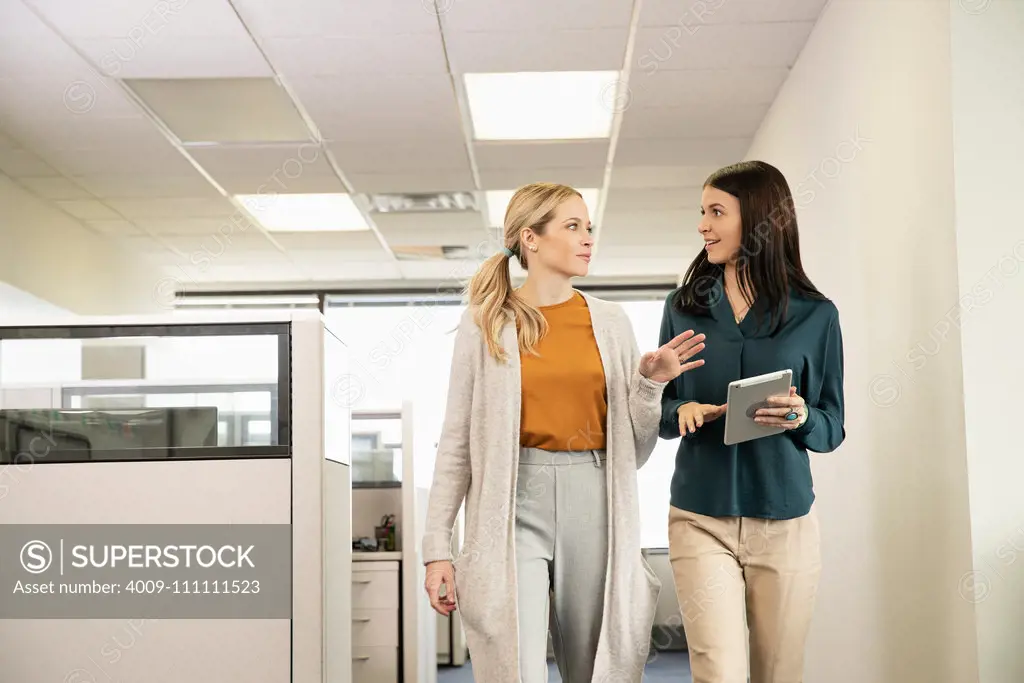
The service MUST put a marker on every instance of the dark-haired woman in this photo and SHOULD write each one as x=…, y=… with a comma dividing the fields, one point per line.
x=743, y=534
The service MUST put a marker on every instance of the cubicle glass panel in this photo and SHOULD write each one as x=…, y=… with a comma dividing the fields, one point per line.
x=376, y=449
x=79, y=394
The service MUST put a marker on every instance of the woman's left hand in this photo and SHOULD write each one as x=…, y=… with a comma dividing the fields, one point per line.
x=776, y=416
x=670, y=361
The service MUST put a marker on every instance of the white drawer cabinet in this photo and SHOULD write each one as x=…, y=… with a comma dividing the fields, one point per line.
x=375, y=621
x=375, y=587
x=374, y=664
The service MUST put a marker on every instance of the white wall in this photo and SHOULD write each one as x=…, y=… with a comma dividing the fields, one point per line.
x=17, y=304
x=863, y=131
x=988, y=144
x=47, y=253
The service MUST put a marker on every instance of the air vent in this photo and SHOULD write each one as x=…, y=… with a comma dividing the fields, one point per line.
x=442, y=253
x=420, y=203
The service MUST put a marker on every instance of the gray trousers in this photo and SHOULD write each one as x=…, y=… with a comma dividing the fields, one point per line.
x=561, y=560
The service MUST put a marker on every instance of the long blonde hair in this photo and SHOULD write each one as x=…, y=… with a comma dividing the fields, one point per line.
x=490, y=290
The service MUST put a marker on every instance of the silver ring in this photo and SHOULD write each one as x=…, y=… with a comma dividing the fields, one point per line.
x=792, y=415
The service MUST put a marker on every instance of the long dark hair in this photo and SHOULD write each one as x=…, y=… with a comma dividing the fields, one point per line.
x=768, y=265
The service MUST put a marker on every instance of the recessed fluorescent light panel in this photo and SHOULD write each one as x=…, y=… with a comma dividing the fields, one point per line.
x=555, y=105
x=497, y=203
x=304, y=212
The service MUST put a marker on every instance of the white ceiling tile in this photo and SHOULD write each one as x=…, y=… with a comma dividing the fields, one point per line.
x=710, y=121
x=638, y=176
x=26, y=99
x=668, y=225
x=148, y=186
x=322, y=55
x=238, y=110
x=152, y=159
x=225, y=246
x=90, y=133
x=336, y=245
x=306, y=183
x=690, y=18
x=196, y=226
x=312, y=18
x=54, y=188
x=680, y=151
x=16, y=19
x=444, y=272
x=114, y=228
x=433, y=229
x=703, y=87
x=256, y=273
x=144, y=244
x=527, y=155
x=167, y=56
x=88, y=210
x=475, y=241
x=19, y=162
x=720, y=46
x=404, y=122
x=382, y=157
x=172, y=208
x=537, y=50
x=35, y=51
x=278, y=164
x=338, y=269
x=137, y=21
x=508, y=179
x=382, y=106
x=651, y=198
x=424, y=181
x=524, y=16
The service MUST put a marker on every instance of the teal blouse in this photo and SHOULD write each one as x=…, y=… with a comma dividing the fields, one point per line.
x=768, y=477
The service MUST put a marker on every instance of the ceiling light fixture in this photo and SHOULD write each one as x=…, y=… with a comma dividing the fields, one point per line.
x=497, y=203
x=575, y=104
x=304, y=212
x=415, y=203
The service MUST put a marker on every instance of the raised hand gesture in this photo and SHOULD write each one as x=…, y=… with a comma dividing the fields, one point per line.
x=670, y=360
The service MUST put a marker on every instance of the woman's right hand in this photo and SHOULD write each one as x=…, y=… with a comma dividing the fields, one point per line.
x=692, y=416
x=439, y=573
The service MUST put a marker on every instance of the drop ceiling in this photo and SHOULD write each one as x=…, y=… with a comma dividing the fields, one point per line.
x=144, y=120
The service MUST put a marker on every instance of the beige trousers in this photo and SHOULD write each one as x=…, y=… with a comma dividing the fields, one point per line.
x=737, y=577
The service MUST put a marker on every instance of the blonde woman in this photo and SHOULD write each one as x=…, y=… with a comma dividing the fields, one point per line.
x=551, y=409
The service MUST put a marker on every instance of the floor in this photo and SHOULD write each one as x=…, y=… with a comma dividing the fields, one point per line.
x=662, y=667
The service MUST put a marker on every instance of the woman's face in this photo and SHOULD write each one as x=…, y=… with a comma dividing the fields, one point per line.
x=720, y=225
x=567, y=242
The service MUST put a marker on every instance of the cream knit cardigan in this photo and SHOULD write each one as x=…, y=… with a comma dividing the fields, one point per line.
x=477, y=462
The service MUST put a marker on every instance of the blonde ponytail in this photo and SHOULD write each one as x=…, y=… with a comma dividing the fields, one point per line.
x=490, y=291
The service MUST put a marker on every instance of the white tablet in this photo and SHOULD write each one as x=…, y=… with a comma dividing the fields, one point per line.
x=747, y=396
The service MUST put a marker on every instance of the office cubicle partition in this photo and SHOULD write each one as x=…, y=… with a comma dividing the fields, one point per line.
x=224, y=430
